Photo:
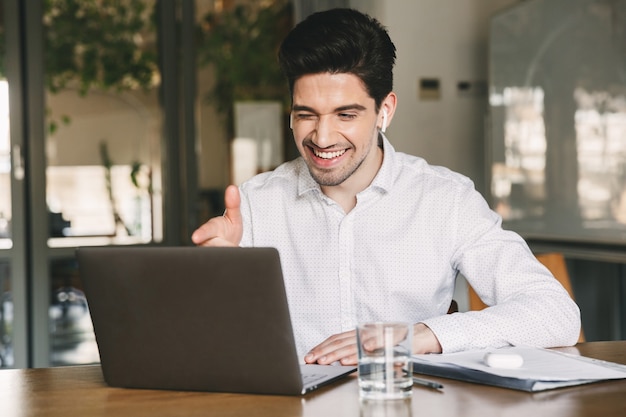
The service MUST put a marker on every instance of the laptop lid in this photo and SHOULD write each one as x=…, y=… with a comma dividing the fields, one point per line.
x=192, y=318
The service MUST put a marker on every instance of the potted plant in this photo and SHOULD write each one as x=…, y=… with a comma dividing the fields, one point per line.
x=241, y=45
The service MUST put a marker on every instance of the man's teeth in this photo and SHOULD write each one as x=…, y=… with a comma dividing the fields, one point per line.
x=328, y=155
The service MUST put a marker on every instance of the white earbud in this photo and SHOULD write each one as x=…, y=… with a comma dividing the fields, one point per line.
x=384, y=126
x=290, y=120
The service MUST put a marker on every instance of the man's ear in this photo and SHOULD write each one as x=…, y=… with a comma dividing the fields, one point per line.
x=388, y=108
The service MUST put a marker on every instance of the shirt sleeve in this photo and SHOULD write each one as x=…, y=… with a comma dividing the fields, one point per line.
x=528, y=306
x=246, y=215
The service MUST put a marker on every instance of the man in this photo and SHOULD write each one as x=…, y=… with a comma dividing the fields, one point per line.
x=366, y=233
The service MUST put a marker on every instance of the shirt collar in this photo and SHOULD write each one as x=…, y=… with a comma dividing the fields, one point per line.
x=385, y=177
x=306, y=182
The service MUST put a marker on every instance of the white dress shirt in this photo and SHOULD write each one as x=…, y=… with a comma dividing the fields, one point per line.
x=395, y=257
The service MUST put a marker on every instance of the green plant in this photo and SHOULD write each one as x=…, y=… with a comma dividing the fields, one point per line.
x=92, y=44
x=108, y=44
x=98, y=44
x=241, y=45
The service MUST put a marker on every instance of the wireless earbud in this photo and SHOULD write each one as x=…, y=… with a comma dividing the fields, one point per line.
x=384, y=126
x=290, y=120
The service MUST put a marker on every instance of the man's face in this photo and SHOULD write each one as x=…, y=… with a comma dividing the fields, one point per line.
x=334, y=124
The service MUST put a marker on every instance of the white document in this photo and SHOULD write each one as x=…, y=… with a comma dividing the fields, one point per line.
x=542, y=368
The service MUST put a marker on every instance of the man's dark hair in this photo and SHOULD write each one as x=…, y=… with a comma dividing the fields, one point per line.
x=341, y=41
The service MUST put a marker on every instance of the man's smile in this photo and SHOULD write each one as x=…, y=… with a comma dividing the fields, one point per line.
x=328, y=154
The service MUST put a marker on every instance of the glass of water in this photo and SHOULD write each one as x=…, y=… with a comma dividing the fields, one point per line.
x=385, y=367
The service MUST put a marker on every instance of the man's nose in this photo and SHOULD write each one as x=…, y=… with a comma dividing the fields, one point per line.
x=324, y=131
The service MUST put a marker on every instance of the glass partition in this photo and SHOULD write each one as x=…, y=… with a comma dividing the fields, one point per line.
x=558, y=119
x=104, y=131
x=103, y=123
x=108, y=126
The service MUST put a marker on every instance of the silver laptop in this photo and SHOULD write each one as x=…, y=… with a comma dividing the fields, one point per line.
x=191, y=318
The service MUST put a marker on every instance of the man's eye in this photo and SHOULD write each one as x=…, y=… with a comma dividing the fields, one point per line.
x=347, y=116
x=305, y=117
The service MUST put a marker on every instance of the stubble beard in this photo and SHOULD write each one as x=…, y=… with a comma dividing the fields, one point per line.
x=328, y=178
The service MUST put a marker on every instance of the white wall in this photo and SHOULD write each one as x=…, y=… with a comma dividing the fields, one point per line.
x=129, y=122
x=444, y=39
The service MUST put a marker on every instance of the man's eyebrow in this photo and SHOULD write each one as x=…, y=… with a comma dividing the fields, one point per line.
x=338, y=109
x=351, y=107
x=302, y=108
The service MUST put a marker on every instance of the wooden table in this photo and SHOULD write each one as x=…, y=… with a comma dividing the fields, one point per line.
x=81, y=391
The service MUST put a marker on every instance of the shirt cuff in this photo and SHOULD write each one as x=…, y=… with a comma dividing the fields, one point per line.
x=449, y=332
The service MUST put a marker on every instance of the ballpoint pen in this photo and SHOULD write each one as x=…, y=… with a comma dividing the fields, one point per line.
x=429, y=384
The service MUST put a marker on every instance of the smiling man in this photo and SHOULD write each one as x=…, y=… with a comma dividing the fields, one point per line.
x=366, y=233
